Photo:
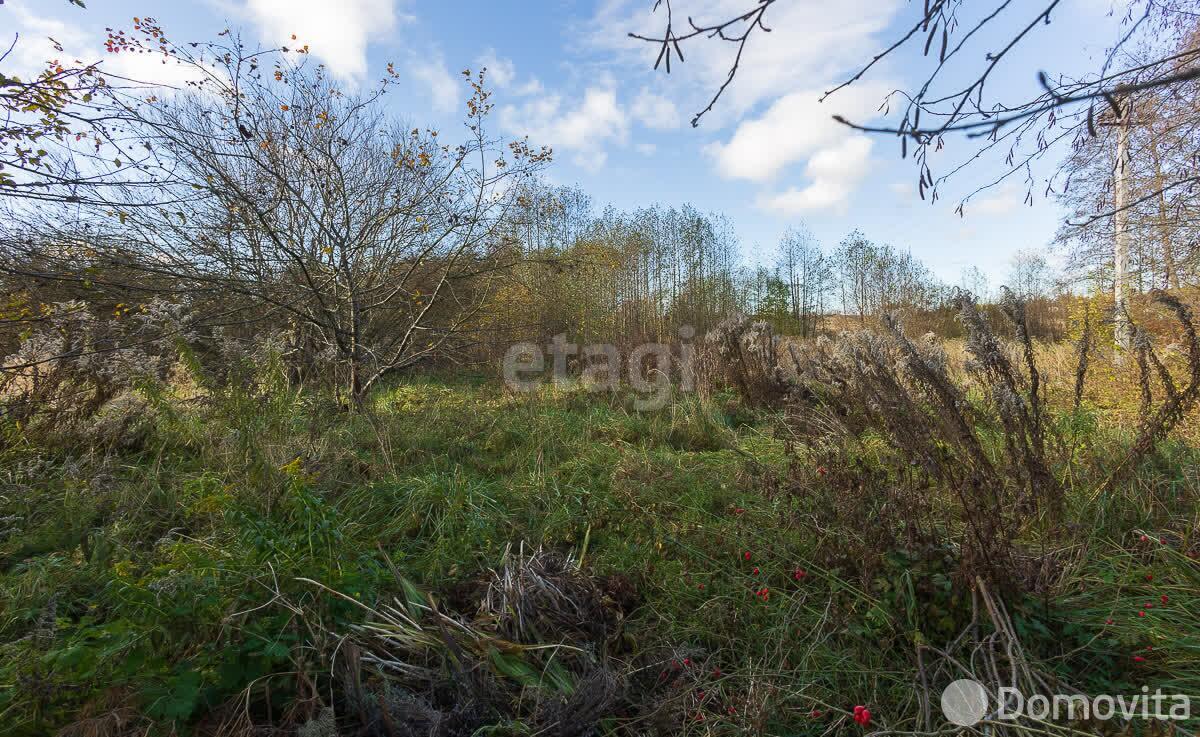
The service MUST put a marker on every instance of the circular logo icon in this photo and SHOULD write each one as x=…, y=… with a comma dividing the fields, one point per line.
x=964, y=702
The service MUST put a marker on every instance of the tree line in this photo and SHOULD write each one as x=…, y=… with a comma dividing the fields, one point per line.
x=260, y=198
x=260, y=201
x=641, y=276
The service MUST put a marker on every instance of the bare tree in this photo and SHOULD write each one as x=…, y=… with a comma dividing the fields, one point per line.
x=1029, y=277
x=945, y=29
x=808, y=275
x=1154, y=178
x=1156, y=58
x=275, y=198
x=973, y=280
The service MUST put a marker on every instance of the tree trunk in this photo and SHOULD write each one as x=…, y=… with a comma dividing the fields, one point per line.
x=356, y=354
x=1121, y=173
x=1170, y=275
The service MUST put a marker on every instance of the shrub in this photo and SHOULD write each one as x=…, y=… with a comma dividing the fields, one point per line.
x=740, y=354
x=988, y=440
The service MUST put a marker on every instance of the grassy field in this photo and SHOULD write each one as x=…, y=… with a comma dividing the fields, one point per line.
x=205, y=570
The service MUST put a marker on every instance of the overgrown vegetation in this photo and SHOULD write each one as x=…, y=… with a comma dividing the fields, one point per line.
x=251, y=483
x=246, y=558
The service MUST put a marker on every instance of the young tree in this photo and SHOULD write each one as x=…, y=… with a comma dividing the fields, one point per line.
x=271, y=196
x=973, y=280
x=858, y=260
x=1029, y=276
x=809, y=277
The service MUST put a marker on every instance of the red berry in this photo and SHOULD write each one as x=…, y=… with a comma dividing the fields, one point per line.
x=756, y=570
x=1108, y=621
x=1165, y=598
x=1138, y=659
x=1142, y=613
x=1143, y=538
x=746, y=555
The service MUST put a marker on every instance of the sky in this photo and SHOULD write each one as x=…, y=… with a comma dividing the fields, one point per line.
x=565, y=73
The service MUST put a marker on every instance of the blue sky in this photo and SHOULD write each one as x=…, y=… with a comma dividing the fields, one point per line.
x=565, y=73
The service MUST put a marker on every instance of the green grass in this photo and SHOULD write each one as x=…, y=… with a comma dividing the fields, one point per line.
x=163, y=579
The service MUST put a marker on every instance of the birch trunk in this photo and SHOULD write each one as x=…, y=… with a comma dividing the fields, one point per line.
x=1121, y=172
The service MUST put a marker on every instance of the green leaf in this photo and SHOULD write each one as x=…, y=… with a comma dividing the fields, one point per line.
x=515, y=668
x=180, y=699
x=276, y=650
x=559, y=677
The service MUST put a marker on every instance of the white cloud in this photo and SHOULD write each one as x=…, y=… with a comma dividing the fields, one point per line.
x=532, y=87
x=832, y=173
x=502, y=72
x=339, y=35
x=794, y=128
x=778, y=124
x=338, y=32
x=443, y=86
x=654, y=111
x=34, y=48
x=155, y=69
x=1001, y=201
x=582, y=129
x=798, y=48
x=645, y=149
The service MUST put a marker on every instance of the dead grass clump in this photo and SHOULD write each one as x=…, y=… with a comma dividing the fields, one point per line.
x=122, y=423
x=109, y=716
x=984, y=435
x=740, y=354
x=64, y=372
x=537, y=653
x=937, y=436
x=542, y=594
